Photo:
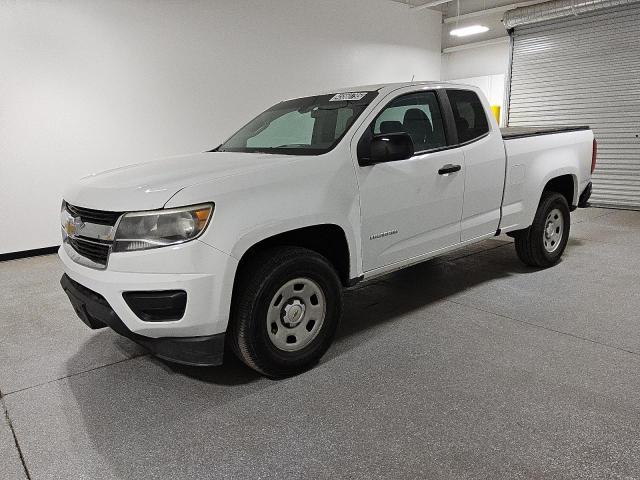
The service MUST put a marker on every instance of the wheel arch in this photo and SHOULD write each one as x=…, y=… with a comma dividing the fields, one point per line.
x=563, y=181
x=565, y=184
x=327, y=239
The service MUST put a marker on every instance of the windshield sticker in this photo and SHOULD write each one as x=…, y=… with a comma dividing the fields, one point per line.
x=342, y=97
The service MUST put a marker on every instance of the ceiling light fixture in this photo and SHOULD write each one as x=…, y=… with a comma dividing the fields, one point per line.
x=466, y=31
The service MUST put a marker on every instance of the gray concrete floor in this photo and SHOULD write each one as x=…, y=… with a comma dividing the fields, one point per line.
x=467, y=366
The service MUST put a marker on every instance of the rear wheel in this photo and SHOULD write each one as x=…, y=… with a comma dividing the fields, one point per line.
x=286, y=311
x=542, y=244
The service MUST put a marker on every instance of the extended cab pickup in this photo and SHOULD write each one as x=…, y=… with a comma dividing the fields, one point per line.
x=251, y=244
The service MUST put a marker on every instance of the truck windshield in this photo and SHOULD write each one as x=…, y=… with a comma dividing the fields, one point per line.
x=304, y=126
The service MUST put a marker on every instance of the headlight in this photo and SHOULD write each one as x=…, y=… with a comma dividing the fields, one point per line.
x=159, y=228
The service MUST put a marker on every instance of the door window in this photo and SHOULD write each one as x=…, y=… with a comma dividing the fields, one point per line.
x=469, y=115
x=417, y=114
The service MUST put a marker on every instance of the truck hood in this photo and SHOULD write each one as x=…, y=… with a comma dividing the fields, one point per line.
x=148, y=186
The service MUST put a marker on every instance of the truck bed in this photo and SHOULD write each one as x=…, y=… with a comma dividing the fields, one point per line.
x=534, y=156
x=509, y=133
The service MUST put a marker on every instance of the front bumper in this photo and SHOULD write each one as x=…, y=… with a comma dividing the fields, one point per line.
x=203, y=272
x=95, y=312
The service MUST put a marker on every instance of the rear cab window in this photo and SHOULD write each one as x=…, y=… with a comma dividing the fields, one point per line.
x=468, y=114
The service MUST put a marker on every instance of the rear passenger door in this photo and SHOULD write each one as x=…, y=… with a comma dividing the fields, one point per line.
x=484, y=157
x=410, y=207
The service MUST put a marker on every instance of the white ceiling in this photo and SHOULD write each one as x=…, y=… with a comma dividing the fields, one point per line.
x=463, y=13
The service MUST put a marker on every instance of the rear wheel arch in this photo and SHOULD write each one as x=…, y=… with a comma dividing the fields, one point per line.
x=566, y=185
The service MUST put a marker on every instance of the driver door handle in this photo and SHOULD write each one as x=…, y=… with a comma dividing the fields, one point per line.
x=449, y=168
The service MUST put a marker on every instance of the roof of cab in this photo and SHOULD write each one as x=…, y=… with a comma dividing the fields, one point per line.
x=391, y=86
x=385, y=88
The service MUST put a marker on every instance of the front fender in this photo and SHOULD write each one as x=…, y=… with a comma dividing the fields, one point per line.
x=305, y=192
x=265, y=231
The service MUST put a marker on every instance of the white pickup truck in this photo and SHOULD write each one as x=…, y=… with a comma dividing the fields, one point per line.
x=250, y=245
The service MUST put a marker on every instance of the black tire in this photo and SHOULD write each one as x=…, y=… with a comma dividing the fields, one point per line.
x=530, y=242
x=258, y=283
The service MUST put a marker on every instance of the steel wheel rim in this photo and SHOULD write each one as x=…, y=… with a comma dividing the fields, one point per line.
x=553, y=230
x=296, y=314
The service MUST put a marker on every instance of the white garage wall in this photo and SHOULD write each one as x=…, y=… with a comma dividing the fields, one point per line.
x=484, y=66
x=491, y=85
x=87, y=86
x=493, y=88
x=476, y=62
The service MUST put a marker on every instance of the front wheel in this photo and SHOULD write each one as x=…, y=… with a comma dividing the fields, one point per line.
x=542, y=244
x=286, y=311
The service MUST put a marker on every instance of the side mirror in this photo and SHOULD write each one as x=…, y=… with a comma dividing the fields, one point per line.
x=389, y=147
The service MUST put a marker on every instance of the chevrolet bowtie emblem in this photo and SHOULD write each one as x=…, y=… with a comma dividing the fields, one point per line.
x=73, y=226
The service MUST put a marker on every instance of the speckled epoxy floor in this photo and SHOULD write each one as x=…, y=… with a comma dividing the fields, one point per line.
x=467, y=366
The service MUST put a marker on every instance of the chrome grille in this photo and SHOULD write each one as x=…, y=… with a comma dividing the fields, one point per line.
x=95, y=250
x=88, y=215
x=89, y=235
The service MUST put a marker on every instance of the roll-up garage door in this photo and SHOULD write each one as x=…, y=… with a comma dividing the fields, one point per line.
x=585, y=70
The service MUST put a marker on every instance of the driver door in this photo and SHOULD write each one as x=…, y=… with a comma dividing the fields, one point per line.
x=411, y=207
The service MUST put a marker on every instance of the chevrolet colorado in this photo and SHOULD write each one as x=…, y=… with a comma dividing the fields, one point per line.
x=249, y=245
